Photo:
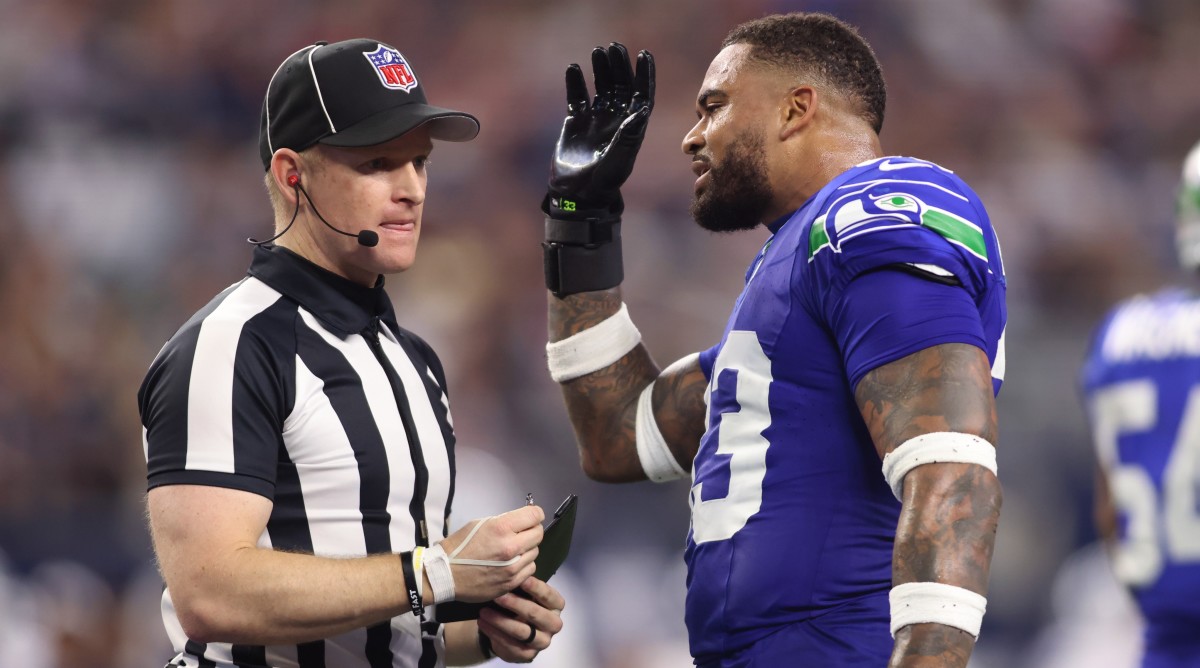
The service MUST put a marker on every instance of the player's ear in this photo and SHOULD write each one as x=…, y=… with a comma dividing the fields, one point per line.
x=797, y=111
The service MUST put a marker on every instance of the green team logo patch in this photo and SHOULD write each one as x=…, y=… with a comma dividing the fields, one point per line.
x=862, y=215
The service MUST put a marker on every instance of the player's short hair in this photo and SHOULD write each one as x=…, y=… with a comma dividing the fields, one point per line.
x=822, y=46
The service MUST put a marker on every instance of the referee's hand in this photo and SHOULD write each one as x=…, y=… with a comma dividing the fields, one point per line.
x=529, y=624
x=511, y=537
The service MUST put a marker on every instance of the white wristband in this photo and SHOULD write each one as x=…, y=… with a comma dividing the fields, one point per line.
x=934, y=448
x=936, y=603
x=657, y=459
x=441, y=579
x=594, y=348
x=436, y=564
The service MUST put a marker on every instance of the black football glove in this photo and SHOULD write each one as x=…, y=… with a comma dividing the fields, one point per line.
x=593, y=157
x=599, y=141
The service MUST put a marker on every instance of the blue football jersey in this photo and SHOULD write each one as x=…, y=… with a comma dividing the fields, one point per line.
x=792, y=520
x=1141, y=382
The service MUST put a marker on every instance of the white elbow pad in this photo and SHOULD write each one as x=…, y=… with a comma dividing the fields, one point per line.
x=934, y=448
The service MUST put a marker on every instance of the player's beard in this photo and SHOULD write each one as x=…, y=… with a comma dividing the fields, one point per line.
x=738, y=194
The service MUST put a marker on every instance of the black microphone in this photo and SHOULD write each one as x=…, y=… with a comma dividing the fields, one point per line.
x=368, y=238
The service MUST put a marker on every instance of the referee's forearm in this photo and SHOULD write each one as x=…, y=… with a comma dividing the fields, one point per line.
x=264, y=597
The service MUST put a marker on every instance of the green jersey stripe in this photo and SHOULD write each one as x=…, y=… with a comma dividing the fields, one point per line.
x=953, y=228
x=818, y=238
x=959, y=230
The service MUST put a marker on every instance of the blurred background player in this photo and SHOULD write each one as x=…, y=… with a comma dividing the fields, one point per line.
x=1141, y=382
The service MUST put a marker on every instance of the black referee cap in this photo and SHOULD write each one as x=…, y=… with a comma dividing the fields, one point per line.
x=359, y=92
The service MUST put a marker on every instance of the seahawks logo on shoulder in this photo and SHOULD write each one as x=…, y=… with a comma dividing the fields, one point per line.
x=881, y=205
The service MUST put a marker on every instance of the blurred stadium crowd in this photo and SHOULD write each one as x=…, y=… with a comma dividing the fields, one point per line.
x=129, y=180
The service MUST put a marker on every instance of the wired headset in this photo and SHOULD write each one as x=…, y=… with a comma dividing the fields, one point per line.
x=368, y=238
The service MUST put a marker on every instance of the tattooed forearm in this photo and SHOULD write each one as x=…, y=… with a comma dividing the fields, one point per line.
x=948, y=526
x=575, y=313
x=603, y=410
x=950, y=511
x=603, y=405
x=932, y=646
x=946, y=534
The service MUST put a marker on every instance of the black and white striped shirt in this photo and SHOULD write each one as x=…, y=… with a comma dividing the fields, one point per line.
x=298, y=385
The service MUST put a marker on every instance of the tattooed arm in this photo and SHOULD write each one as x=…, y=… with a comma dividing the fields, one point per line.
x=950, y=512
x=603, y=405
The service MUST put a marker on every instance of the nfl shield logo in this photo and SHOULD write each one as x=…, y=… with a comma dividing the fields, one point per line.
x=392, y=69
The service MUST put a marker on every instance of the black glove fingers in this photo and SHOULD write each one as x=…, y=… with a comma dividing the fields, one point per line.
x=622, y=75
x=599, y=143
x=643, y=82
x=632, y=130
x=603, y=77
x=577, y=91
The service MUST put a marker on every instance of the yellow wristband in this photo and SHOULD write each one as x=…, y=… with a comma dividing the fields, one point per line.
x=418, y=554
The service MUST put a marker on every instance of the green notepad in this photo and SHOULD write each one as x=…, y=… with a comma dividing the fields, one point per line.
x=556, y=543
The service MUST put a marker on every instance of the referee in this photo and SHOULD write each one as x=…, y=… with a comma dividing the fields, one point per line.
x=299, y=444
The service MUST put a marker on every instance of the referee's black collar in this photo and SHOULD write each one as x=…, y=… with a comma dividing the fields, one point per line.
x=343, y=306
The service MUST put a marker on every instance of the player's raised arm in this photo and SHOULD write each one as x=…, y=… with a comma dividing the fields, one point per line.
x=594, y=349
x=932, y=417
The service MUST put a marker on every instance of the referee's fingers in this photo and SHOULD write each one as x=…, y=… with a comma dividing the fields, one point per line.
x=544, y=595
x=523, y=518
x=524, y=526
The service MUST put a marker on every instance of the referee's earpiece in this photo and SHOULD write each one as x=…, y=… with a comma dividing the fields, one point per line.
x=368, y=238
x=293, y=180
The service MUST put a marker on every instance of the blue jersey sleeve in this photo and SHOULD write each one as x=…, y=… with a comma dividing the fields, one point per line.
x=885, y=315
x=900, y=259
